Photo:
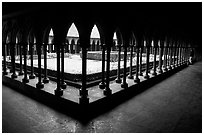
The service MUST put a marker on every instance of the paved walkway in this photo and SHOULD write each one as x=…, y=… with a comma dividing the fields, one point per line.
x=174, y=105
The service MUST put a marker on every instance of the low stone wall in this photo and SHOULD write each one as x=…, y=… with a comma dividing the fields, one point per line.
x=97, y=55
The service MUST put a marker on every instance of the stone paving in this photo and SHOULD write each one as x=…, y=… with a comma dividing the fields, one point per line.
x=174, y=105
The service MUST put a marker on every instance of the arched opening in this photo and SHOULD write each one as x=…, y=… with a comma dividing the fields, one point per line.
x=95, y=35
x=51, y=48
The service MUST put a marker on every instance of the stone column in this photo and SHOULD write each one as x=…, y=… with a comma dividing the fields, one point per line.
x=131, y=55
x=170, y=56
x=40, y=84
x=46, y=79
x=154, y=47
x=58, y=90
x=25, y=45
x=21, y=59
x=108, y=91
x=140, y=68
x=136, y=79
x=178, y=55
x=32, y=75
x=63, y=84
x=161, y=43
x=4, y=61
x=165, y=56
x=146, y=76
x=102, y=83
x=124, y=83
x=12, y=45
x=84, y=99
x=118, y=79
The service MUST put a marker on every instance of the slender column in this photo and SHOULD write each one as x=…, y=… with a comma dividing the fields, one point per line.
x=63, y=84
x=102, y=83
x=178, y=56
x=118, y=79
x=140, y=69
x=46, y=79
x=136, y=79
x=124, y=83
x=108, y=91
x=83, y=91
x=40, y=84
x=160, y=70
x=146, y=76
x=170, y=57
x=173, y=55
x=58, y=91
x=32, y=75
x=21, y=59
x=165, y=56
x=14, y=75
x=155, y=55
x=25, y=79
x=4, y=56
x=131, y=55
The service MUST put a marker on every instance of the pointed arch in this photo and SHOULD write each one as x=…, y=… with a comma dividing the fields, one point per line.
x=73, y=31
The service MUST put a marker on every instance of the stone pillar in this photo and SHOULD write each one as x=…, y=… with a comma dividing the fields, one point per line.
x=165, y=55
x=4, y=56
x=32, y=75
x=58, y=90
x=46, y=79
x=21, y=59
x=12, y=45
x=40, y=84
x=170, y=57
x=146, y=76
x=63, y=84
x=154, y=47
x=84, y=100
x=25, y=79
x=178, y=56
x=124, y=83
x=102, y=83
x=136, y=79
x=108, y=91
x=161, y=43
x=118, y=79
x=173, y=55
x=141, y=50
x=131, y=55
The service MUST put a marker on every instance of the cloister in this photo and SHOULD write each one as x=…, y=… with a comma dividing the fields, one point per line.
x=139, y=34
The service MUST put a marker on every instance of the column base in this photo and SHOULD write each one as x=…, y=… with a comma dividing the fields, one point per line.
x=25, y=80
x=160, y=71
x=124, y=85
x=32, y=76
x=169, y=67
x=63, y=85
x=5, y=73
x=58, y=92
x=130, y=77
x=165, y=69
x=46, y=80
x=140, y=74
x=102, y=85
x=39, y=85
x=107, y=92
x=83, y=100
x=118, y=80
x=21, y=73
x=137, y=80
x=13, y=76
x=146, y=76
x=154, y=73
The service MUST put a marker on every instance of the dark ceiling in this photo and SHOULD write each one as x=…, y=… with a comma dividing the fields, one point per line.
x=185, y=16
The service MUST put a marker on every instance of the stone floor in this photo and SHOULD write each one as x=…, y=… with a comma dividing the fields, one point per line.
x=173, y=105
